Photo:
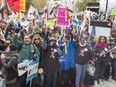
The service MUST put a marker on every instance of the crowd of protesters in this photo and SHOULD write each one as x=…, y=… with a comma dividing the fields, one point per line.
x=59, y=53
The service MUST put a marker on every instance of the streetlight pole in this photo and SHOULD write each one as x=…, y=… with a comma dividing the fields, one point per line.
x=106, y=5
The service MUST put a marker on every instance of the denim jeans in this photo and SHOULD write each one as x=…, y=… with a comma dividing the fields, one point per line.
x=80, y=73
x=50, y=79
x=113, y=68
x=99, y=70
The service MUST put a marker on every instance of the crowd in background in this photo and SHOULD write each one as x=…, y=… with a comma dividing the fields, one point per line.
x=60, y=53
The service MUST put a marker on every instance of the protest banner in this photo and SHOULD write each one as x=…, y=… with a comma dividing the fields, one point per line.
x=32, y=70
x=50, y=22
x=22, y=68
x=61, y=18
x=100, y=28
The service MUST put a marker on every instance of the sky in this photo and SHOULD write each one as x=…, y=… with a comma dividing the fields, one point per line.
x=111, y=4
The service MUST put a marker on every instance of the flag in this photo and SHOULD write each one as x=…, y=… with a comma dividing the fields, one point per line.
x=22, y=5
x=6, y=5
x=27, y=28
x=16, y=5
x=32, y=12
x=3, y=3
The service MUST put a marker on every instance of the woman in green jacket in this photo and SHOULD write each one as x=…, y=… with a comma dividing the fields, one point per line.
x=28, y=51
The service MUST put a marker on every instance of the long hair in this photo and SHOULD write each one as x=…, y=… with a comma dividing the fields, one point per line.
x=104, y=38
x=36, y=36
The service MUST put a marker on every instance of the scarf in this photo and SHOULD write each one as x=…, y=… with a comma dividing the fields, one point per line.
x=100, y=45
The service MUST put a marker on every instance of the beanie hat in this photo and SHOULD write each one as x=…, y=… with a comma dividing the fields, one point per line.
x=13, y=47
x=52, y=39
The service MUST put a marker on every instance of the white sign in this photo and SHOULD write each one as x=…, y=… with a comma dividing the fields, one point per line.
x=101, y=31
x=22, y=68
x=32, y=70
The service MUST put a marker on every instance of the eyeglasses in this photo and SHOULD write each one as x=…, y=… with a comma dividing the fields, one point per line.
x=37, y=39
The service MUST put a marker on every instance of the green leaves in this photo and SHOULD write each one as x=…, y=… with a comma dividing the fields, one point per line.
x=81, y=4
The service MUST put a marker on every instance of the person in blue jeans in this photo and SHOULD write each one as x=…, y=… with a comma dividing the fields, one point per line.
x=82, y=57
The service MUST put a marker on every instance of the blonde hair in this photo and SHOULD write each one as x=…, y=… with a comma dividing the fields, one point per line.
x=96, y=38
x=35, y=36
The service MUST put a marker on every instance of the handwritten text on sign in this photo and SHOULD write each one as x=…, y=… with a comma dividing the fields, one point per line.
x=61, y=19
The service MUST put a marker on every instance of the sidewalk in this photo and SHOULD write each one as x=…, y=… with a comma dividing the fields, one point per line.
x=110, y=83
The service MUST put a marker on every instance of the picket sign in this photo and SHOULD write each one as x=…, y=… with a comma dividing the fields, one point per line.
x=22, y=68
x=32, y=70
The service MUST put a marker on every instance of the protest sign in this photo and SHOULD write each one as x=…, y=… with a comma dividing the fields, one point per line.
x=61, y=18
x=50, y=22
x=32, y=70
x=113, y=11
x=22, y=68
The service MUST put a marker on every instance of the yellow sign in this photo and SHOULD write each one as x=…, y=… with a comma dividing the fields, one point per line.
x=19, y=15
x=22, y=5
x=50, y=22
x=113, y=11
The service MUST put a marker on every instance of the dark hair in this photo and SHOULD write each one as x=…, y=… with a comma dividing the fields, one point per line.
x=9, y=40
x=102, y=37
x=13, y=47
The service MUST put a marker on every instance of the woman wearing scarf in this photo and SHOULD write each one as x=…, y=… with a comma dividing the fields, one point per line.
x=82, y=57
x=101, y=59
x=67, y=60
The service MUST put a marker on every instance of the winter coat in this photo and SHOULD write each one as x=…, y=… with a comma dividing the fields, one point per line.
x=99, y=58
x=42, y=52
x=69, y=57
x=82, y=59
x=9, y=67
x=111, y=45
x=27, y=51
x=51, y=61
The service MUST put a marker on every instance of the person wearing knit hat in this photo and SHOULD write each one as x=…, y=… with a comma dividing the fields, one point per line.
x=9, y=63
x=5, y=44
x=51, y=64
x=13, y=47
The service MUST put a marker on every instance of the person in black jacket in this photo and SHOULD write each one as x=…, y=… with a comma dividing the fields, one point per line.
x=37, y=40
x=82, y=57
x=51, y=62
x=102, y=59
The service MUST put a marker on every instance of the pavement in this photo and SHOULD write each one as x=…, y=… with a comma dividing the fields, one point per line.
x=89, y=82
x=110, y=83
